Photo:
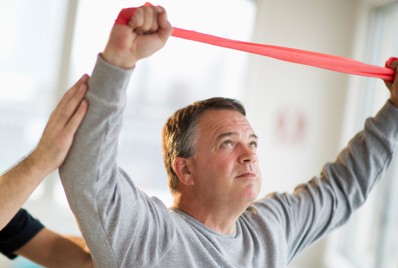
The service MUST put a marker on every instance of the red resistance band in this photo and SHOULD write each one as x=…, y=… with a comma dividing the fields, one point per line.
x=330, y=62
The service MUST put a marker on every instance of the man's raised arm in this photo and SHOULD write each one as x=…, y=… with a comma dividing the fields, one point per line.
x=95, y=187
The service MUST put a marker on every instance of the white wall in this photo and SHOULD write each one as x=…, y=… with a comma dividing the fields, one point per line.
x=278, y=88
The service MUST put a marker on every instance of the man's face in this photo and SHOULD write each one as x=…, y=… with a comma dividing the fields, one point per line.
x=224, y=165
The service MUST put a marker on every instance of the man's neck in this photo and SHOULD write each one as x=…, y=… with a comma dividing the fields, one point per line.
x=221, y=219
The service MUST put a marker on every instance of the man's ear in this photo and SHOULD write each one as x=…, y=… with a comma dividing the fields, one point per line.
x=181, y=167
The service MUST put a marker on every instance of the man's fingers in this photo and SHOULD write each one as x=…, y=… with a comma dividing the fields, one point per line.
x=150, y=20
x=164, y=24
x=137, y=19
x=392, y=63
x=393, y=85
x=157, y=11
x=145, y=19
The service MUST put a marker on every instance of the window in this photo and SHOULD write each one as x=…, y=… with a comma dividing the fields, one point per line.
x=370, y=239
x=29, y=54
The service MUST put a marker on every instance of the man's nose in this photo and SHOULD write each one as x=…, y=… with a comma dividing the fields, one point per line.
x=248, y=154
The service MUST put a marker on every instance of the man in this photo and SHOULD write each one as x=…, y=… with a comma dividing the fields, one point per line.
x=20, y=233
x=209, y=150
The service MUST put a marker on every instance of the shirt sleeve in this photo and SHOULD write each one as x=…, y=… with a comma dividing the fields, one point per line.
x=118, y=221
x=20, y=230
x=327, y=201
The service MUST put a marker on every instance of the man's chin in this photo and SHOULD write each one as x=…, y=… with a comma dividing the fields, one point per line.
x=250, y=193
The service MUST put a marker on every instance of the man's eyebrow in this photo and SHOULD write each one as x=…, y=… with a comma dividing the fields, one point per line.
x=254, y=136
x=226, y=134
x=229, y=134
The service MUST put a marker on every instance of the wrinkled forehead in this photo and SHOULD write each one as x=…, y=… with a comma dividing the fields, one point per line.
x=215, y=122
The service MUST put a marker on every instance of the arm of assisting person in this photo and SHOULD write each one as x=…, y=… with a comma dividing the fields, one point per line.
x=118, y=221
x=51, y=249
x=26, y=236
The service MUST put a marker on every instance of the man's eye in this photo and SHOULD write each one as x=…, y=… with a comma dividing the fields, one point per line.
x=227, y=143
x=253, y=145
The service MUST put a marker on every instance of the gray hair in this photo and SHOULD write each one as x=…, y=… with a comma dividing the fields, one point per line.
x=179, y=133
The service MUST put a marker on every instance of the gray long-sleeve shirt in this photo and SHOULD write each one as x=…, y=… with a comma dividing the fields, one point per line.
x=124, y=227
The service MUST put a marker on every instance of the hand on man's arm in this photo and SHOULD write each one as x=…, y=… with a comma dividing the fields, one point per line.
x=18, y=183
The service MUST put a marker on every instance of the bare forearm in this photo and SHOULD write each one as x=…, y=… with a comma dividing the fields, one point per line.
x=16, y=185
x=60, y=251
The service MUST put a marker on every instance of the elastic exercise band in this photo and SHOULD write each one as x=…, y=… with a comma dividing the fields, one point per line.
x=330, y=62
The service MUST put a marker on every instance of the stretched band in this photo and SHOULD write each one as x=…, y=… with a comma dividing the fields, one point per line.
x=320, y=60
